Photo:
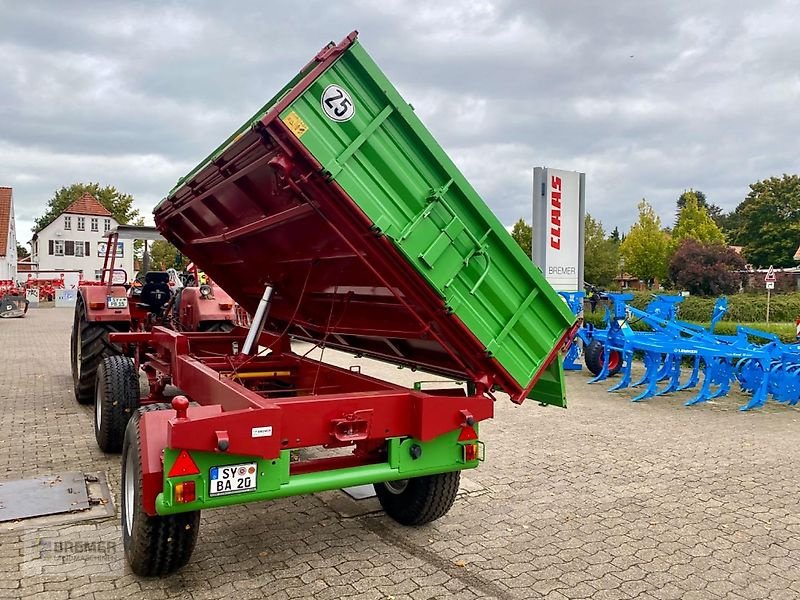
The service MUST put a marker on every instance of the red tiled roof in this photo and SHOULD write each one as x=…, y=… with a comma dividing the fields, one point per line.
x=5, y=217
x=88, y=205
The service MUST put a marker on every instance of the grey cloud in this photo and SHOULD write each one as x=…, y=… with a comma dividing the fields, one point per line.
x=648, y=99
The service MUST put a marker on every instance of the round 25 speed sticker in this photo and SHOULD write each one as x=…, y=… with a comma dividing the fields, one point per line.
x=337, y=103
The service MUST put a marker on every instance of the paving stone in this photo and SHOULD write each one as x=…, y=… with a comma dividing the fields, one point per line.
x=605, y=500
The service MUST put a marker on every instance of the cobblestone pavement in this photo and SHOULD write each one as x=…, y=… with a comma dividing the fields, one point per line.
x=605, y=500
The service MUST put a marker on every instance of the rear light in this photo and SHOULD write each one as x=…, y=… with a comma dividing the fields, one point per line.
x=97, y=305
x=470, y=452
x=185, y=492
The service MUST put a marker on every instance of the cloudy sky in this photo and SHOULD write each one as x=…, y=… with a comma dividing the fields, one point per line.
x=648, y=99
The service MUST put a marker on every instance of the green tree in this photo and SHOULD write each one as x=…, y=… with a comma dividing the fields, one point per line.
x=714, y=211
x=694, y=222
x=615, y=236
x=601, y=254
x=767, y=222
x=22, y=251
x=119, y=204
x=645, y=249
x=523, y=235
x=164, y=255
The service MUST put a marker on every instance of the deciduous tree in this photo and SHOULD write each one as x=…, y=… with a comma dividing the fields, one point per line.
x=601, y=254
x=164, y=255
x=767, y=222
x=119, y=204
x=694, y=222
x=523, y=235
x=714, y=211
x=706, y=269
x=646, y=248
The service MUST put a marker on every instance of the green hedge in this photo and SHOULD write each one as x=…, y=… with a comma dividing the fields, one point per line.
x=742, y=308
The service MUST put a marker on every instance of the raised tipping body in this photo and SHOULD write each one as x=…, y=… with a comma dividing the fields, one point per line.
x=335, y=215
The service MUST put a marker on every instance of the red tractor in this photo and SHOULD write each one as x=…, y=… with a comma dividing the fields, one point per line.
x=119, y=305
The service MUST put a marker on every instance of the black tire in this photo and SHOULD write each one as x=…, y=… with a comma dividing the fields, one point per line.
x=419, y=500
x=593, y=356
x=154, y=546
x=116, y=399
x=89, y=345
x=209, y=326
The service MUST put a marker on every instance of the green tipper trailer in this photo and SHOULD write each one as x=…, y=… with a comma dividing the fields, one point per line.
x=332, y=217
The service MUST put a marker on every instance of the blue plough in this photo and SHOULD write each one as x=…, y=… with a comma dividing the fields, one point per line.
x=762, y=365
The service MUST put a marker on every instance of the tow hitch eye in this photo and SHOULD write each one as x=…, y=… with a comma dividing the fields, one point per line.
x=353, y=428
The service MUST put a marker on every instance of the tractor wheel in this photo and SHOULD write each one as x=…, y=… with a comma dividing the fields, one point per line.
x=89, y=345
x=222, y=326
x=594, y=355
x=153, y=546
x=419, y=500
x=116, y=398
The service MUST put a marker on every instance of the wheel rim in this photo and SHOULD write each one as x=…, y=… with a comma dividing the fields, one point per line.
x=78, y=352
x=613, y=360
x=396, y=487
x=98, y=407
x=129, y=492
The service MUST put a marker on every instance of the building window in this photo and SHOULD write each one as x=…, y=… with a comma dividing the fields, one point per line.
x=94, y=224
x=67, y=222
x=69, y=248
x=79, y=248
x=81, y=224
x=58, y=247
x=106, y=225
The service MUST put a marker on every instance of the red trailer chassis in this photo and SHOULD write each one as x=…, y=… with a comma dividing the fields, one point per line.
x=330, y=407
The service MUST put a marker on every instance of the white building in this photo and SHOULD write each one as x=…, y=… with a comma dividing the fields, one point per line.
x=8, y=235
x=75, y=241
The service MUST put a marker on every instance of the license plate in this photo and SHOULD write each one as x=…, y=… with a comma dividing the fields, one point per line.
x=232, y=479
x=117, y=302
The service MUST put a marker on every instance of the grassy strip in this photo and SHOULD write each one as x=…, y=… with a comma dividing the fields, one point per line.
x=742, y=308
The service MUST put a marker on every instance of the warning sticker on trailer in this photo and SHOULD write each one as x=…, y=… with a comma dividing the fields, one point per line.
x=296, y=124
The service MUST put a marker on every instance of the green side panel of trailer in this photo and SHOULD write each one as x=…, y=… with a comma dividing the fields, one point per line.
x=391, y=166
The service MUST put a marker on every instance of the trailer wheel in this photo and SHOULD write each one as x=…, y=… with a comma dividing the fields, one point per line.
x=209, y=326
x=116, y=398
x=153, y=545
x=89, y=345
x=419, y=500
x=593, y=356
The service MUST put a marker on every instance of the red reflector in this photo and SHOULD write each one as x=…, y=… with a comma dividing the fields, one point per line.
x=467, y=434
x=97, y=305
x=185, y=492
x=184, y=465
x=225, y=305
x=470, y=452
